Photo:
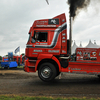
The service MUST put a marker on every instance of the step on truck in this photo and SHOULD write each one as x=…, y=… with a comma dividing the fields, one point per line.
x=48, y=51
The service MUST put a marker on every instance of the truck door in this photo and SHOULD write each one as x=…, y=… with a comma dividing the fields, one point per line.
x=40, y=41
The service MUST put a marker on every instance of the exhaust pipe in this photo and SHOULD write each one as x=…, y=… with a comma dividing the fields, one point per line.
x=70, y=37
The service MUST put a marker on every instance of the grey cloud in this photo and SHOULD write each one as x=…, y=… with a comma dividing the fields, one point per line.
x=17, y=16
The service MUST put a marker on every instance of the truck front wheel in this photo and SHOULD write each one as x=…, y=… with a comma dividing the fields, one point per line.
x=47, y=72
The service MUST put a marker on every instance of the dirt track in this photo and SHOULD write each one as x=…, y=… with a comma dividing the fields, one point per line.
x=21, y=83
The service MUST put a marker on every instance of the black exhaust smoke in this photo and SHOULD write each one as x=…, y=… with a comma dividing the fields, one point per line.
x=76, y=5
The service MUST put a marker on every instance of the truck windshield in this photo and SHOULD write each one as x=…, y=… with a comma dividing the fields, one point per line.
x=39, y=37
x=29, y=37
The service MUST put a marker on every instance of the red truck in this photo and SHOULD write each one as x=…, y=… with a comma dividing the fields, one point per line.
x=18, y=59
x=47, y=51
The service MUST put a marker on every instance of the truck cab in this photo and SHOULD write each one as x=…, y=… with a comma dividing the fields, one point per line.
x=46, y=47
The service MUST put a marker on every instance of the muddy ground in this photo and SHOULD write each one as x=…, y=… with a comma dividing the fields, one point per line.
x=18, y=82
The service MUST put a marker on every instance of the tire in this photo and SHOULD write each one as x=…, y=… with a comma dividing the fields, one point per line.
x=99, y=76
x=2, y=67
x=58, y=73
x=8, y=67
x=47, y=72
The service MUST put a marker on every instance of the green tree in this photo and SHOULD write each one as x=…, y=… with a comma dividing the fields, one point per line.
x=0, y=57
x=23, y=54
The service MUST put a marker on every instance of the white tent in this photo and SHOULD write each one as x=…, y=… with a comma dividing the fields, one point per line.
x=74, y=48
x=91, y=45
x=80, y=45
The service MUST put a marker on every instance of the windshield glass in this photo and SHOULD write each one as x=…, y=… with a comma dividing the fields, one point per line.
x=29, y=37
x=39, y=37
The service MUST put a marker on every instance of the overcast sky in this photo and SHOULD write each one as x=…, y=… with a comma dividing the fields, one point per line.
x=17, y=16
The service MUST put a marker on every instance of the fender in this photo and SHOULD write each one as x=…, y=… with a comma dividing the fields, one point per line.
x=41, y=57
x=47, y=56
x=58, y=63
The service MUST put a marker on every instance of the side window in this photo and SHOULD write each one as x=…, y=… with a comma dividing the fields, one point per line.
x=39, y=37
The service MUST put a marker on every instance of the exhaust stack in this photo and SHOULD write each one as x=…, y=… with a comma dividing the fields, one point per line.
x=70, y=37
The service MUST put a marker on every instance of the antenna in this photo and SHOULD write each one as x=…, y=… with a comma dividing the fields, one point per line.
x=47, y=2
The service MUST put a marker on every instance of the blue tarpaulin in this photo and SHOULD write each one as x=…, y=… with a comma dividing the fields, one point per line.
x=9, y=64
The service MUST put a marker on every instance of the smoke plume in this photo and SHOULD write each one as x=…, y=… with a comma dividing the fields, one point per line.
x=76, y=6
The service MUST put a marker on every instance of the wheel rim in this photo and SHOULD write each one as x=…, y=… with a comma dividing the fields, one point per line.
x=46, y=72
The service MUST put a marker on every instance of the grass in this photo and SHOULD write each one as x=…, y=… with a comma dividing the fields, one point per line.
x=40, y=98
x=20, y=66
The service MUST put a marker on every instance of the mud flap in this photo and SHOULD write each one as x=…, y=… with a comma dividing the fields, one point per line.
x=64, y=63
